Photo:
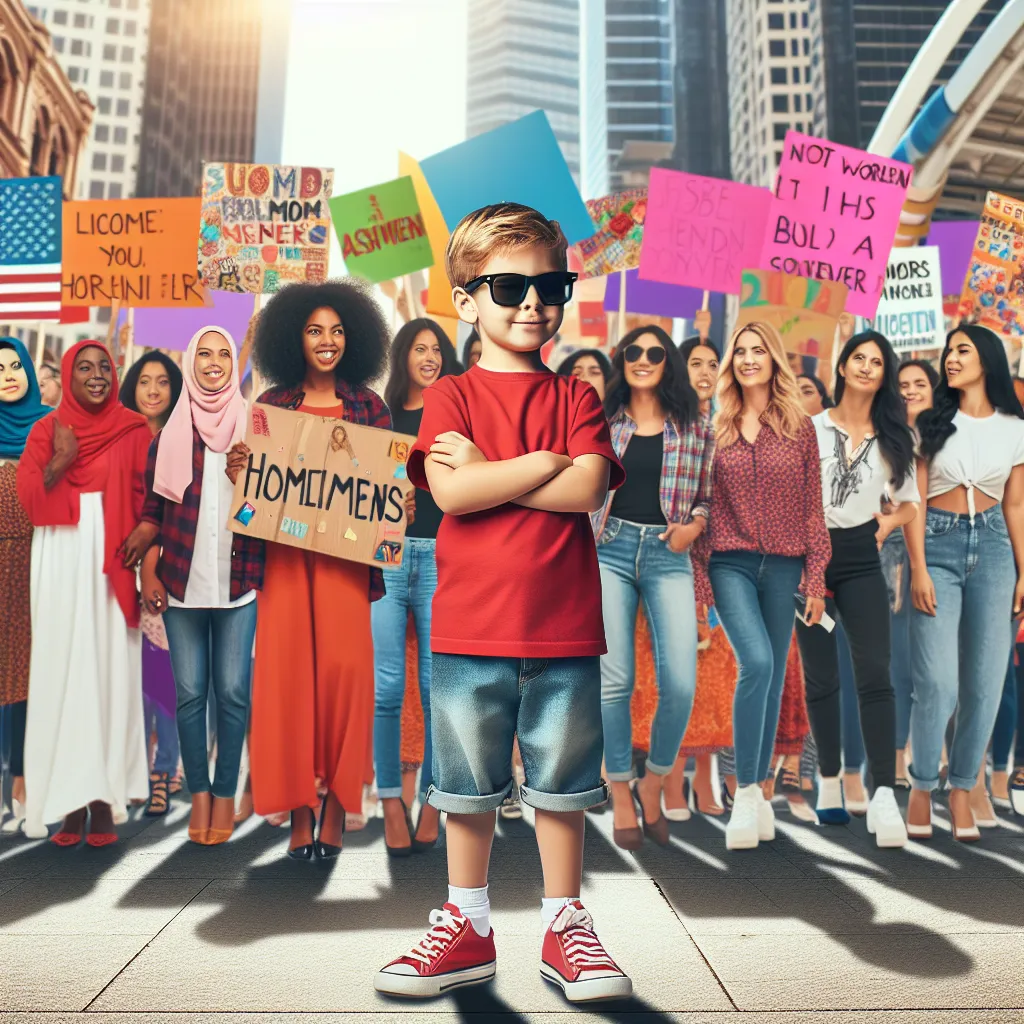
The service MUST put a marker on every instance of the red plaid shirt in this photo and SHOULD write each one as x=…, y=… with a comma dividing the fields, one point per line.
x=177, y=537
x=360, y=406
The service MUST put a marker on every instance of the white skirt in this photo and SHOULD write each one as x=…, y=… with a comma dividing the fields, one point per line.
x=84, y=735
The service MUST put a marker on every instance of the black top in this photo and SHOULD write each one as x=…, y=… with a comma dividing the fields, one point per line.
x=428, y=515
x=638, y=500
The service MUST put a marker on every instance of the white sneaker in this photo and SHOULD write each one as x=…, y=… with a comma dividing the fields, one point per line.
x=765, y=818
x=13, y=824
x=884, y=819
x=742, y=831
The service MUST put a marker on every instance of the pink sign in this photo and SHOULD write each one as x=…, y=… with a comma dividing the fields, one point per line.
x=700, y=231
x=834, y=216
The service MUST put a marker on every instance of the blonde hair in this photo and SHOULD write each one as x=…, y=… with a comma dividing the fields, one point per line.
x=497, y=230
x=784, y=412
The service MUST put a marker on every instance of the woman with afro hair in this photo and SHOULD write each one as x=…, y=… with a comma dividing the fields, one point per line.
x=312, y=702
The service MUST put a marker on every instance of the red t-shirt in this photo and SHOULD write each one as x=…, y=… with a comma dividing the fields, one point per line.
x=515, y=582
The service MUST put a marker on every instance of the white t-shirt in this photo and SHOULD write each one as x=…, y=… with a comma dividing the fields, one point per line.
x=853, y=483
x=980, y=454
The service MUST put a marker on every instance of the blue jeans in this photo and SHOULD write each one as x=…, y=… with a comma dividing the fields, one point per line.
x=959, y=655
x=410, y=587
x=896, y=567
x=212, y=644
x=636, y=566
x=167, y=751
x=754, y=597
x=479, y=706
x=1006, y=721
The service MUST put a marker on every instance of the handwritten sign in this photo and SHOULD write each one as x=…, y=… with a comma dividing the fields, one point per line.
x=324, y=485
x=619, y=218
x=803, y=311
x=381, y=231
x=993, y=292
x=263, y=226
x=910, y=311
x=834, y=216
x=136, y=252
x=701, y=231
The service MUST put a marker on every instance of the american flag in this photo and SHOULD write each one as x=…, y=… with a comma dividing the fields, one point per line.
x=30, y=247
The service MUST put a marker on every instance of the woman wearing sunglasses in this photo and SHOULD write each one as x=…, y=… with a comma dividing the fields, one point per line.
x=644, y=532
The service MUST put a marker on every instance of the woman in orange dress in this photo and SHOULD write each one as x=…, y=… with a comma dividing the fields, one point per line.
x=312, y=703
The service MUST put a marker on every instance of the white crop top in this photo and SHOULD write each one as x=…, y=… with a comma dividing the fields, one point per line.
x=853, y=483
x=979, y=455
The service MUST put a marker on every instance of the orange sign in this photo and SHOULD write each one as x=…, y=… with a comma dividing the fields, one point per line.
x=135, y=252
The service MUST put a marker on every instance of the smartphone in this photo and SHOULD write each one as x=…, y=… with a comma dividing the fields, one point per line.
x=827, y=622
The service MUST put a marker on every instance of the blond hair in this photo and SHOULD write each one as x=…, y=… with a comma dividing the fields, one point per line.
x=784, y=412
x=497, y=230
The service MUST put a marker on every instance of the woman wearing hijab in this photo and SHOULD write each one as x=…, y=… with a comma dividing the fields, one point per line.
x=21, y=407
x=80, y=481
x=201, y=577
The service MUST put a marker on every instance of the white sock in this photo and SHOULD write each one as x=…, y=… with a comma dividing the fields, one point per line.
x=474, y=905
x=551, y=907
x=830, y=793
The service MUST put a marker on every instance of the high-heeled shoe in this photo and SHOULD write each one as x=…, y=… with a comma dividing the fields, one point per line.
x=304, y=852
x=421, y=845
x=656, y=831
x=14, y=824
x=397, y=852
x=679, y=813
x=326, y=851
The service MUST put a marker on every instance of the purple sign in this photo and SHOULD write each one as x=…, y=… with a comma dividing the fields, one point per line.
x=955, y=239
x=652, y=298
x=172, y=329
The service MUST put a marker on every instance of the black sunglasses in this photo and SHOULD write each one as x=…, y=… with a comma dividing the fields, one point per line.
x=632, y=353
x=553, y=288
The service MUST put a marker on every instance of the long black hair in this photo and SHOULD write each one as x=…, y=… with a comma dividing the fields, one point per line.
x=935, y=425
x=926, y=368
x=819, y=386
x=397, y=389
x=467, y=347
x=131, y=381
x=888, y=411
x=566, y=365
x=676, y=394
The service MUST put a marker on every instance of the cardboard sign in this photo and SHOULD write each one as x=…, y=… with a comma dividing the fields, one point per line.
x=702, y=232
x=136, y=252
x=519, y=162
x=834, y=216
x=381, y=231
x=620, y=229
x=910, y=311
x=263, y=226
x=172, y=329
x=993, y=291
x=804, y=312
x=324, y=485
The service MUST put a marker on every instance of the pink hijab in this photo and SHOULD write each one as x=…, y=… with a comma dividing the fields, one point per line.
x=219, y=417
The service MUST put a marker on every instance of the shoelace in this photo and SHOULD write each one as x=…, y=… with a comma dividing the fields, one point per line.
x=582, y=947
x=444, y=929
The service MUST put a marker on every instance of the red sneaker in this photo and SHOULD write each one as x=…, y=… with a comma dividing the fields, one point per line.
x=450, y=955
x=574, y=959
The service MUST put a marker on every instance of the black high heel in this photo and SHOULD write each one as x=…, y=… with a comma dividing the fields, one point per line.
x=325, y=851
x=402, y=851
x=420, y=845
x=304, y=852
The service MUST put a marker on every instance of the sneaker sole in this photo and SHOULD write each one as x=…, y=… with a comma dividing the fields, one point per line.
x=746, y=841
x=413, y=986
x=588, y=991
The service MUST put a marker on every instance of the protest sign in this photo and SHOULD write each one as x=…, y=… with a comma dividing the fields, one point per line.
x=172, y=329
x=263, y=226
x=519, y=162
x=702, y=232
x=834, y=216
x=133, y=252
x=804, y=312
x=993, y=291
x=955, y=239
x=653, y=297
x=324, y=485
x=439, y=293
x=620, y=228
x=910, y=310
x=381, y=231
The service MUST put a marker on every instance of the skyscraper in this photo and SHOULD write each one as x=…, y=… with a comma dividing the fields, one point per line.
x=523, y=56
x=627, y=55
x=770, y=82
x=201, y=91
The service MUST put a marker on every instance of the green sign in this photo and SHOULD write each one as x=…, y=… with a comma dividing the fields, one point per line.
x=381, y=231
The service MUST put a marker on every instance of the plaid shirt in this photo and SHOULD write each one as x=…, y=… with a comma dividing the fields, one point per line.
x=177, y=537
x=685, y=468
x=361, y=406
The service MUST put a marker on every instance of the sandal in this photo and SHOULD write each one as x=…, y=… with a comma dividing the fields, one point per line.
x=158, y=802
x=176, y=784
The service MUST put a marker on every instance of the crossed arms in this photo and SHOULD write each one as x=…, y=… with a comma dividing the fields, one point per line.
x=462, y=480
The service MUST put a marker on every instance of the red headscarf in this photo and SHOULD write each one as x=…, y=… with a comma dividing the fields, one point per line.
x=110, y=428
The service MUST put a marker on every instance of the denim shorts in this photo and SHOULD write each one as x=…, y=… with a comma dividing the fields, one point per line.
x=478, y=705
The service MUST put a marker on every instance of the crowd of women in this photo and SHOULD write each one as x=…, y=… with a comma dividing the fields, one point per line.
x=804, y=587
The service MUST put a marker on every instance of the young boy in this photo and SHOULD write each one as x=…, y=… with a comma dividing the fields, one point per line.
x=516, y=457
